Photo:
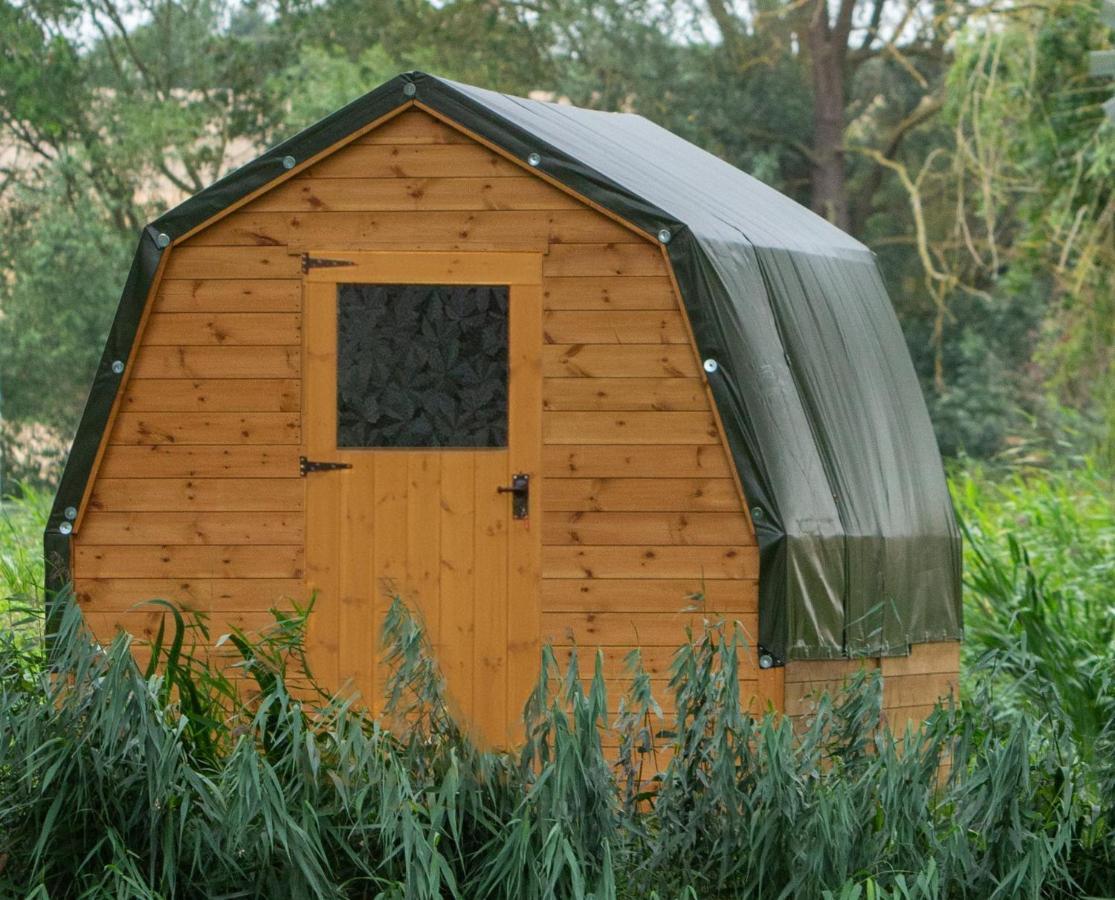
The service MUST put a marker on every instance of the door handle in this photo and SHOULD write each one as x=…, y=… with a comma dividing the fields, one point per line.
x=519, y=489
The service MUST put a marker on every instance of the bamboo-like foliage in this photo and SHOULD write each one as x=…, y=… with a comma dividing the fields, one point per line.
x=191, y=779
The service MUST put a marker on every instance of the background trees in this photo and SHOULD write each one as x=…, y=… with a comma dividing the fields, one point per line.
x=963, y=141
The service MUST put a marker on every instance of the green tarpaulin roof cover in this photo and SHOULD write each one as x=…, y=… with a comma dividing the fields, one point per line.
x=860, y=551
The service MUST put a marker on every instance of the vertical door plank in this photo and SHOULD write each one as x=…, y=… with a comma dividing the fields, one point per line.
x=359, y=640
x=323, y=495
x=524, y=536
x=423, y=527
x=388, y=545
x=489, y=696
x=458, y=521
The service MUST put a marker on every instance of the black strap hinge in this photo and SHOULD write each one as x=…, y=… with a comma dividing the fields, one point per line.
x=305, y=466
x=316, y=262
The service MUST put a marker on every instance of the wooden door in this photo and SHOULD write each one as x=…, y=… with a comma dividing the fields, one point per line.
x=402, y=372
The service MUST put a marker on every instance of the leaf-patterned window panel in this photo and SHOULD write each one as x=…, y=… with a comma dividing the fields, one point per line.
x=421, y=365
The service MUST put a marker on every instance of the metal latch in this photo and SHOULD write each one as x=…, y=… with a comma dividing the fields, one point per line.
x=519, y=489
x=315, y=262
x=305, y=466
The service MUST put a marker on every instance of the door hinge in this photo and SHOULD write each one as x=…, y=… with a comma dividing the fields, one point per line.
x=306, y=466
x=316, y=262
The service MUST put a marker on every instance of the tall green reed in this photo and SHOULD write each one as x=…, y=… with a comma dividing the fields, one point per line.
x=178, y=781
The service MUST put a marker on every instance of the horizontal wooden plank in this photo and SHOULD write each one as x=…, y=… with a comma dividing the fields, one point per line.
x=618, y=689
x=228, y=295
x=899, y=718
x=479, y=229
x=688, y=528
x=525, y=192
x=218, y=362
x=224, y=328
x=604, y=292
x=259, y=561
x=932, y=658
x=835, y=671
x=414, y=161
x=619, y=361
x=624, y=394
x=915, y=690
x=640, y=629
x=213, y=494
x=802, y=697
x=655, y=660
x=634, y=461
x=642, y=326
x=192, y=261
x=145, y=528
x=112, y=594
x=414, y=127
x=213, y=395
x=391, y=266
x=603, y=259
x=223, y=461
x=641, y=494
x=634, y=427
x=207, y=428
x=650, y=562
x=144, y=625
x=661, y=595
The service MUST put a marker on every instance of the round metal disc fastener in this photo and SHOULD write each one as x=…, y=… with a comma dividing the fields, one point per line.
x=534, y=159
x=70, y=513
x=756, y=513
x=117, y=366
x=288, y=162
x=163, y=240
x=664, y=235
x=409, y=89
x=65, y=528
x=711, y=365
x=766, y=661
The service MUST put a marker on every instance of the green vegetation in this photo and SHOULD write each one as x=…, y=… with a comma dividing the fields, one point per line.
x=965, y=142
x=117, y=781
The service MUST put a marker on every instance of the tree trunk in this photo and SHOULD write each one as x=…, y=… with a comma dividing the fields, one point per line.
x=827, y=52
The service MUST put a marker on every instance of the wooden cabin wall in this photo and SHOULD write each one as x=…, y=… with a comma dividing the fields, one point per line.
x=911, y=684
x=198, y=497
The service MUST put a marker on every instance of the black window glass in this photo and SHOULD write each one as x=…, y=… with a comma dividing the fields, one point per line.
x=421, y=365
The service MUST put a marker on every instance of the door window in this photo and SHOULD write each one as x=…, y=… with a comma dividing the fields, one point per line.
x=421, y=365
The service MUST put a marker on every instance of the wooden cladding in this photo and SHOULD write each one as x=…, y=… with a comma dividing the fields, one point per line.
x=198, y=498
x=476, y=229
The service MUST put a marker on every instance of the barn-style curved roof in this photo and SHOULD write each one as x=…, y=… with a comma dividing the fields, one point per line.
x=860, y=551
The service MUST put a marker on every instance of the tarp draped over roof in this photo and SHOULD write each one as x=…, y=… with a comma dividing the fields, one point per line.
x=860, y=551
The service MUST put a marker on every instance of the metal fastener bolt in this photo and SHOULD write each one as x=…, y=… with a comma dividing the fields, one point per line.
x=664, y=235
x=288, y=162
x=756, y=513
x=535, y=159
x=163, y=240
x=71, y=513
x=65, y=528
x=711, y=365
x=117, y=366
x=410, y=89
x=766, y=661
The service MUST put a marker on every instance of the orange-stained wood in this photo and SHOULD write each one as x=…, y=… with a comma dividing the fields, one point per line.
x=517, y=192
x=428, y=525
x=634, y=499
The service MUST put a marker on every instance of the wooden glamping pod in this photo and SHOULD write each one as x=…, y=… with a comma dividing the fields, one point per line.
x=553, y=374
